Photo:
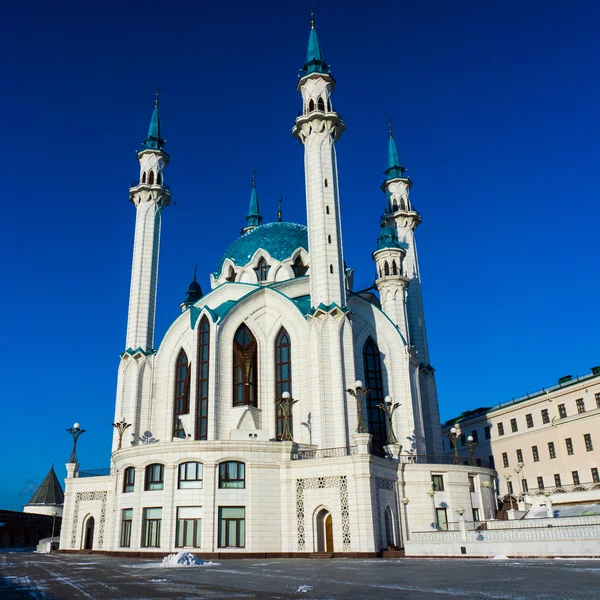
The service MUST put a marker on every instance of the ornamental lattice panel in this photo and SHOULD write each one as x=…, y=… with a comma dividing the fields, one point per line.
x=102, y=496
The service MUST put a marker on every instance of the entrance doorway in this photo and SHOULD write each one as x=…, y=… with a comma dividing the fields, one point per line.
x=324, y=526
x=389, y=527
x=88, y=534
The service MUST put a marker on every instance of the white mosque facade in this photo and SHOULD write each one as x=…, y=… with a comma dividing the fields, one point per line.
x=242, y=438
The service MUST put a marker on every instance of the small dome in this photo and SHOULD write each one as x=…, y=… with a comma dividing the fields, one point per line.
x=194, y=293
x=279, y=239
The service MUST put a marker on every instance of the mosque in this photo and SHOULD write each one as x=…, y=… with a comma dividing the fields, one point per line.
x=284, y=413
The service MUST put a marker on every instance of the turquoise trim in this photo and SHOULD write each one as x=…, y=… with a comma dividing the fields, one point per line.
x=138, y=350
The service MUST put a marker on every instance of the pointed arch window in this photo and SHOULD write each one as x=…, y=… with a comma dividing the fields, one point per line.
x=230, y=274
x=394, y=268
x=394, y=205
x=202, y=380
x=181, y=393
x=245, y=376
x=386, y=268
x=262, y=269
x=402, y=204
x=151, y=178
x=283, y=376
x=311, y=105
x=159, y=178
x=144, y=177
x=374, y=381
x=321, y=104
x=299, y=267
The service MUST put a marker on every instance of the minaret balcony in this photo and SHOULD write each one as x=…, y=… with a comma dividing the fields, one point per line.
x=150, y=186
x=318, y=121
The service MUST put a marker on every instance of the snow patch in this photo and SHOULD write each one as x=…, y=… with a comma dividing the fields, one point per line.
x=500, y=557
x=304, y=588
x=184, y=559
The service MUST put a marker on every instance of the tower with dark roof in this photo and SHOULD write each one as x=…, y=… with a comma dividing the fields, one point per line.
x=48, y=498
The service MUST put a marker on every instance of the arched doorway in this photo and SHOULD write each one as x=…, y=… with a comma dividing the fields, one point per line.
x=88, y=534
x=389, y=527
x=324, y=526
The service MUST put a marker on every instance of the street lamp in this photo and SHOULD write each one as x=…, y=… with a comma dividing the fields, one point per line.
x=285, y=403
x=75, y=431
x=471, y=443
x=389, y=408
x=360, y=394
x=453, y=437
x=518, y=470
x=121, y=426
x=460, y=511
x=54, y=513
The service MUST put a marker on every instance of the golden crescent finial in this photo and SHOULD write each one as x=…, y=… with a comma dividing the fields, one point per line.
x=312, y=17
x=390, y=126
x=156, y=100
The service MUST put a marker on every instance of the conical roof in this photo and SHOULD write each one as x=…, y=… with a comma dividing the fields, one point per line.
x=50, y=491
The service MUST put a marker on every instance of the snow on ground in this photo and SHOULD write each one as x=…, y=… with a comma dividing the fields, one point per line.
x=500, y=557
x=304, y=588
x=540, y=512
x=184, y=559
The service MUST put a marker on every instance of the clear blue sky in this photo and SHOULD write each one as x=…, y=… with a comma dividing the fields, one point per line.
x=495, y=108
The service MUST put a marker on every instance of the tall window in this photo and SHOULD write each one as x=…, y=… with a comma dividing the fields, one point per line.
x=487, y=432
x=126, y=519
x=321, y=104
x=244, y=367
x=189, y=527
x=475, y=435
x=505, y=459
x=155, y=477
x=190, y=476
x=540, y=482
x=569, y=445
x=509, y=487
x=529, y=419
x=557, y=481
x=151, y=178
x=232, y=527
x=129, y=479
x=587, y=438
x=580, y=405
x=262, y=270
x=598, y=400
x=151, y=527
x=595, y=475
x=437, y=483
x=471, y=483
x=283, y=376
x=492, y=461
x=519, y=456
x=536, y=454
x=575, y=475
x=513, y=425
x=545, y=416
x=562, y=411
x=500, y=428
x=202, y=380
x=232, y=475
x=374, y=381
x=299, y=268
x=441, y=519
x=182, y=392
x=551, y=450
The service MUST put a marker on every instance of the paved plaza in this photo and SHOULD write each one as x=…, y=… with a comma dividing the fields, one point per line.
x=66, y=577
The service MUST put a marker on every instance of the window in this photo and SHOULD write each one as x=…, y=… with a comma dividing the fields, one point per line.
x=486, y=432
x=536, y=454
x=492, y=462
x=437, y=483
x=202, y=380
x=189, y=526
x=475, y=514
x=159, y=178
x=524, y=484
x=329, y=239
x=331, y=269
x=311, y=105
x=513, y=425
x=151, y=527
x=144, y=177
x=321, y=104
x=580, y=405
x=244, y=368
x=587, y=438
x=500, y=428
x=545, y=416
x=540, y=482
x=155, y=475
x=129, y=479
x=441, y=519
x=262, y=270
x=509, y=487
x=471, y=483
x=299, y=268
x=557, y=482
x=463, y=439
x=519, y=456
x=126, y=519
x=151, y=178
x=325, y=182
x=386, y=268
x=190, y=476
x=529, y=420
x=231, y=475
x=551, y=450
x=376, y=419
x=327, y=210
x=505, y=459
x=575, y=475
x=598, y=400
x=394, y=268
x=475, y=436
x=182, y=392
x=232, y=525
x=595, y=475
x=562, y=411
x=569, y=445
x=283, y=376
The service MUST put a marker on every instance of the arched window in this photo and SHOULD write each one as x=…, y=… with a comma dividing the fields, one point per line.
x=202, y=380
x=129, y=479
x=311, y=105
x=230, y=274
x=328, y=105
x=232, y=474
x=190, y=476
x=181, y=393
x=283, y=375
x=394, y=268
x=402, y=204
x=155, y=477
x=327, y=209
x=331, y=268
x=386, y=268
x=159, y=178
x=262, y=270
x=245, y=378
x=394, y=205
x=321, y=104
x=299, y=267
x=144, y=177
x=151, y=178
x=374, y=381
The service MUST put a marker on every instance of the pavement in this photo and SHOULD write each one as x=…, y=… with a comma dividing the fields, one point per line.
x=94, y=577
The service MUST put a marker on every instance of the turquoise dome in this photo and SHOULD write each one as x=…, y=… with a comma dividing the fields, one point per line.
x=279, y=239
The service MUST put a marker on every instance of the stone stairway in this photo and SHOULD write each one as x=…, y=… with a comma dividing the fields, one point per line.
x=393, y=552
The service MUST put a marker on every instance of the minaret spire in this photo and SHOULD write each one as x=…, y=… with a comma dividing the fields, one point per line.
x=314, y=54
x=394, y=166
x=253, y=218
x=154, y=140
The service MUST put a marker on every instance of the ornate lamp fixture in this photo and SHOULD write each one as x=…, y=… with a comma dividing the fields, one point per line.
x=285, y=403
x=75, y=431
x=389, y=408
x=471, y=443
x=453, y=437
x=121, y=426
x=360, y=394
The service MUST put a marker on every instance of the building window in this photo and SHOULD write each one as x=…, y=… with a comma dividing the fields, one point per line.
x=551, y=450
x=331, y=269
x=524, y=484
x=155, y=476
x=569, y=444
x=299, y=268
x=519, y=456
x=202, y=380
x=587, y=438
x=437, y=483
x=471, y=483
x=327, y=210
x=475, y=436
x=557, y=482
x=513, y=425
x=575, y=475
x=329, y=239
x=441, y=519
x=463, y=439
x=475, y=514
x=126, y=519
x=283, y=377
x=232, y=525
x=509, y=487
x=595, y=475
x=505, y=459
x=536, y=454
x=540, y=482
x=326, y=183
x=151, y=527
x=492, y=462
x=262, y=270
x=245, y=353
x=151, y=178
x=598, y=400
x=500, y=428
x=190, y=475
x=129, y=479
x=374, y=382
x=232, y=475
x=580, y=405
x=189, y=527
x=182, y=392
x=529, y=420
x=545, y=416
x=487, y=432
x=562, y=411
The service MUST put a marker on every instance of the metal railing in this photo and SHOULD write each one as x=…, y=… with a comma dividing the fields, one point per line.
x=94, y=473
x=324, y=453
x=431, y=459
x=563, y=489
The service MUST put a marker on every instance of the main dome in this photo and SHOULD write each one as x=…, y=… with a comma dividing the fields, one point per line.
x=279, y=239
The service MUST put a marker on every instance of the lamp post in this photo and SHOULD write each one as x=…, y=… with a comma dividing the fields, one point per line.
x=54, y=513
x=285, y=403
x=518, y=470
x=508, y=478
x=453, y=437
x=121, y=426
x=486, y=485
x=389, y=408
x=360, y=394
x=471, y=443
x=75, y=432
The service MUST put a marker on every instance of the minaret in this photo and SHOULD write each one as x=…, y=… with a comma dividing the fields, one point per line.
x=149, y=197
x=400, y=212
x=318, y=128
x=253, y=218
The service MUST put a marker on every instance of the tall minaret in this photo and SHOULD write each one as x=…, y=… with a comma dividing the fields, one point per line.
x=149, y=197
x=401, y=213
x=318, y=128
